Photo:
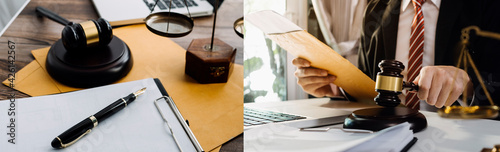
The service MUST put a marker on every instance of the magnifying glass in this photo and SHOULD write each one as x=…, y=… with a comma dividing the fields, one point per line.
x=169, y=24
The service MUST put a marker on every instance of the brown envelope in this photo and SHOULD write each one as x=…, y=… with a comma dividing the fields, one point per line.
x=302, y=44
x=26, y=83
x=214, y=111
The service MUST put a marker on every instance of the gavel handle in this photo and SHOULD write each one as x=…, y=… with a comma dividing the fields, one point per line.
x=410, y=85
x=51, y=15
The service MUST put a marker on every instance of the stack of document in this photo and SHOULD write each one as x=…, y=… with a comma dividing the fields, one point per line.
x=277, y=138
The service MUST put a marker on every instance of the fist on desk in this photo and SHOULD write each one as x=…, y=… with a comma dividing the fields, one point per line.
x=314, y=81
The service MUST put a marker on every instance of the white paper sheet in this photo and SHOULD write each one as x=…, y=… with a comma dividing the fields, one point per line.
x=456, y=135
x=138, y=127
x=272, y=23
x=276, y=138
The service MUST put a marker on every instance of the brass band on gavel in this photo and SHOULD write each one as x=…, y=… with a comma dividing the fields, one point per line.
x=389, y=83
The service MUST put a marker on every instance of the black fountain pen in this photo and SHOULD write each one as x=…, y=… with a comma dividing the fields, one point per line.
x=79, y=130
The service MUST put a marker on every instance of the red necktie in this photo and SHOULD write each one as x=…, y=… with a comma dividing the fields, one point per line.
x=416, y=51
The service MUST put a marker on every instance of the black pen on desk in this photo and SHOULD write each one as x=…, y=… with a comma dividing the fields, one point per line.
x=79, y=130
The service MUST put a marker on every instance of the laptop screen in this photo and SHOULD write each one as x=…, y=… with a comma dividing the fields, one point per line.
x=9, y=9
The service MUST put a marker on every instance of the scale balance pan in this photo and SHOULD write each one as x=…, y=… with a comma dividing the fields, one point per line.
x=89, y=68
x=472, y=112
x=238, y=27
x=169, y=24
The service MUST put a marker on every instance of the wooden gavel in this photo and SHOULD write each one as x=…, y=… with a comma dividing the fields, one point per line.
x=389, y=83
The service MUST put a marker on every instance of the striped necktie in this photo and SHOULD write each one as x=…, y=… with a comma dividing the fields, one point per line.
x=416, y=51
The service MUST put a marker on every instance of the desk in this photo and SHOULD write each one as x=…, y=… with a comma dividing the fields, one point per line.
x=440, y=135
x=30, y=32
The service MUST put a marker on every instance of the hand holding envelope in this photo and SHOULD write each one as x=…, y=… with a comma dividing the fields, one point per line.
x=303, y=45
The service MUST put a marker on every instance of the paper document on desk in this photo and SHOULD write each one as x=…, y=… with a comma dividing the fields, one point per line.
x=301, y=44
x=281, y=138
x=138, y=127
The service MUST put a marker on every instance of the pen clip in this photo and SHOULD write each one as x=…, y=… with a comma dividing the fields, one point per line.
x=72, y=142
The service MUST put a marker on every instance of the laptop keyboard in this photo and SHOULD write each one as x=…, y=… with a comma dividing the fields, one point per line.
x=258, y=117
x=165, y=4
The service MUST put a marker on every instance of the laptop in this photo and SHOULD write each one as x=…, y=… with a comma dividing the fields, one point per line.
x=9, y=10
x=123, y=12
x=298, y=113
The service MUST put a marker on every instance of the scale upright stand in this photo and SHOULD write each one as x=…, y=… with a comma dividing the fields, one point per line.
x=210, y=60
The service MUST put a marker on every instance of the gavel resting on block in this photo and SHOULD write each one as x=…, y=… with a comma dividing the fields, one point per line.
x=389, y=84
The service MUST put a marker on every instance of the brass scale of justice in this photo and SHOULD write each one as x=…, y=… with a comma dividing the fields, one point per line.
x=207, y=60
x=471, y=112
x=463, y=111
x=171, y=24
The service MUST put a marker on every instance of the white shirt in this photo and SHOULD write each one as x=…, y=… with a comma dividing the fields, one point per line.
x=430, y=9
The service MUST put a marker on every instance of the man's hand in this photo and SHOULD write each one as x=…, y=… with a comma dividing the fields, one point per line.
x=441, y=85
x=315, y=81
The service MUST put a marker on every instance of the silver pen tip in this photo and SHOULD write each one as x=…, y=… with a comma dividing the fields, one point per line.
x=137, y=93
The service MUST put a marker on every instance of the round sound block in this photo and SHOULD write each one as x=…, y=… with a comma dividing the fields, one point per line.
x=89, y=68
x=376, y=119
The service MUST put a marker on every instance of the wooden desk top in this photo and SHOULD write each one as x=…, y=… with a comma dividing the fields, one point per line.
x=29, y=32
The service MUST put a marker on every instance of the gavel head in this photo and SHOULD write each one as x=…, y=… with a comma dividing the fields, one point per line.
x=92, y=33
x=389, y=83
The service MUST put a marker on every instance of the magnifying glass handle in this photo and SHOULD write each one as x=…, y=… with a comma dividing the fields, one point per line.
x=51, y=15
